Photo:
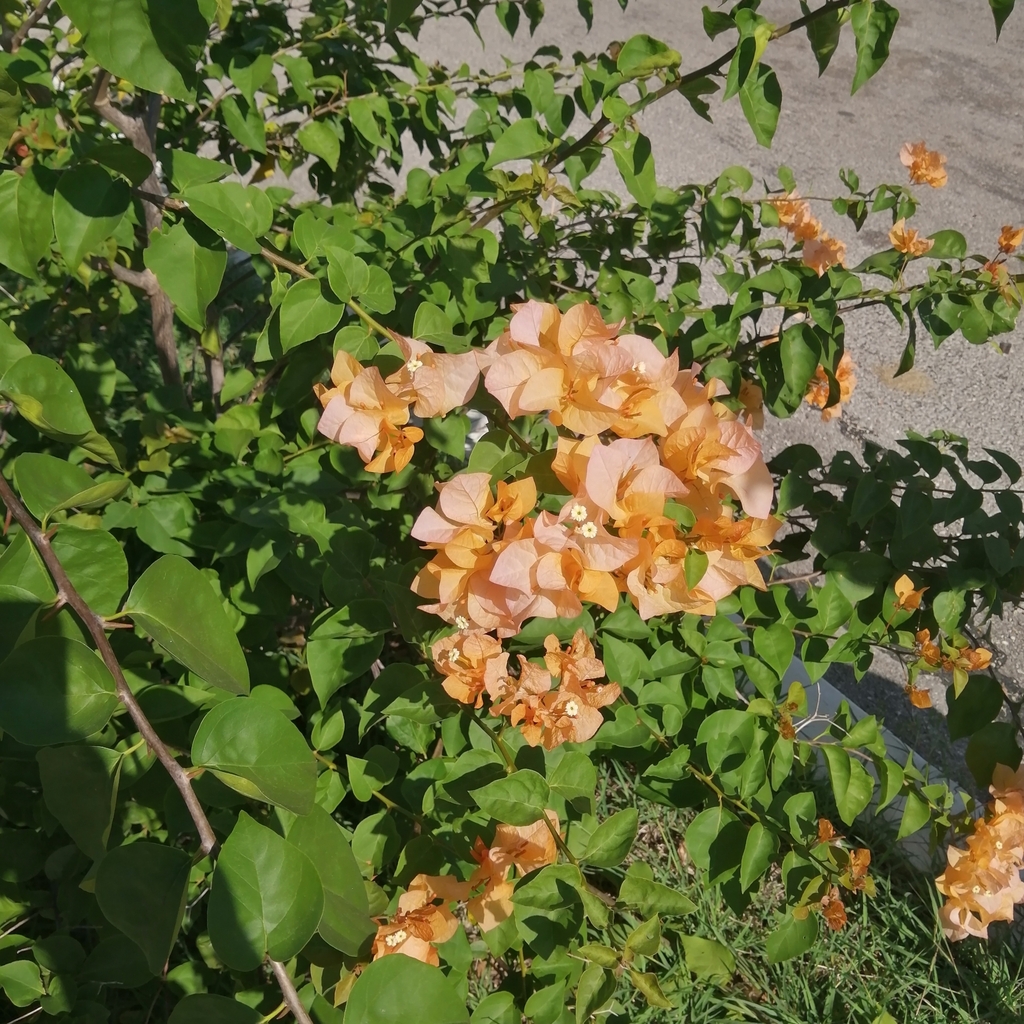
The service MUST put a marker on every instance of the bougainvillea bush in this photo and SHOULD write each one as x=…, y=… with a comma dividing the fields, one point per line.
x=354, y=530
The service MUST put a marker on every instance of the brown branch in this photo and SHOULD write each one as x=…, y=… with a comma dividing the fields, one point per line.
x=67, y=593
x=144, y=279
x=291, y=997
x=28, y=24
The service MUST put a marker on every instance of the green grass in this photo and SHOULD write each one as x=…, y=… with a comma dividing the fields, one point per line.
x=890, y=957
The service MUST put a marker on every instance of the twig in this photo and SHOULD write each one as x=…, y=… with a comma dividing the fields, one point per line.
x=28, y=24
x=95, y=624
x=291, y=997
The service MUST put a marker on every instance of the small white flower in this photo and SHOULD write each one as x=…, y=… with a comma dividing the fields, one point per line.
x=640, y=368
x=396, y=938
x=578, y=513
x=588, y=530
x=462, y=622
x=454, y=654
x=414, y=364
x=572, y=709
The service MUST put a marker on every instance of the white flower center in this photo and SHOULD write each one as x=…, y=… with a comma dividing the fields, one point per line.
x=976, y=890
x=396, y=938
x=640, y=367
x=572, y=709
x=414, y=364
x=578, y=513
x=588, y=530
x=462, y=622
x=999, y=844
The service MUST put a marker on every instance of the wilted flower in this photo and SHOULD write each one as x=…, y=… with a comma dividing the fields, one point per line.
x=1010, y=238
x=926, y=166
x=907, y=598
x=818, y=389
x=907, y=240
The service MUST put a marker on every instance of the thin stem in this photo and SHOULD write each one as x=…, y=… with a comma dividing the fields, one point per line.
x=273, y=1013
x=96, y=626
x=291, y=997
x=25, y=27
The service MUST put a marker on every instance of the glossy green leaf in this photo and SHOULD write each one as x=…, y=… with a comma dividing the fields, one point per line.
x=87, y=208
x=399, y=12
x=399, y=988
x=256, y=750
x=35, y=211
x=245, y=122
x=346, y=922
x=175, y=604
x=54, y=690
x=612, y=840
x=517, y=799
x=641, y=55
x=266, y=897
x=308, y=311
x=239, y=213
x=521, y=139
x=320, y=139
x=639, y=890
x=347, y=273
x=775, y=645
x=874, y=22
x=189, y=271
x=635, y=162
x=12, y=348
x=791, y=938
x=156, y=44
x=708, y=960
x=95, y=564
x=207, y=1008
x=851, y=784
x=125, y=159
x=948, y=245
x=12, y=248
x=596, y=987
x=48, y=485
x=141, y=890
x=761, y=100
x=21, y=982
x=80, y=791
x=758, y=851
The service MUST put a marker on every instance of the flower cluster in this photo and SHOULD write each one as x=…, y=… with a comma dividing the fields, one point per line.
x=907, y=240
x=982, y=884
x=926, y=166
x=639, y=511
x=423, y=919
x=474, y=664
x=820, y=250
x=818, y=389
x=369, y=413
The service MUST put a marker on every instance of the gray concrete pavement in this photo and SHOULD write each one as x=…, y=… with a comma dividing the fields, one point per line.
x=947, y=81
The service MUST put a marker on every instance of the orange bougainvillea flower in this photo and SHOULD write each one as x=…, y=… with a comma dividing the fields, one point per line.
x=907, y=598
x=832, y=909
x=1008, y=789
x=435, y=382
x=823, y=252
x=1010, y=238
x=361, y=412
x=578, y=663
x=795, y=216
x=818, y=389
x=421, y=923
x=925, y=649
x=926, y=166
x=525, y=847
x=919, y=696
x=907, y=240
x=468, y=661
x=752, y=397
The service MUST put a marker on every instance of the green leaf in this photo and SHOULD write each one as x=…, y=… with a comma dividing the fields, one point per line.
x=695, y=565
x=239, y=213
x=47, y=397
x=432, y=324
x=320, y=139
x=755, y=32
x=874, y=22
x=775, y=645
x=346, y=922
x=521, y=139
x=372, y=773
x=948, y=608
x=186, y=169
x=851, y=784
x=791, y=938
x=574, y=778
x=378, y=293
x=1001, y=10
x=612, y=839
x=12, y=247
x=650, y=897
x=347, y=273
x=635, y=162
x=12, y=348
x=189, y=271
x=141, y=889
x=35, y=211
x=949, y=245
x=54, y=690
x=979, y=703
x=254, y=748
x=647, y=984
x=645, y=938
x=95, y=564
x=642, y=55
x=21, y=982
x=398, y=13
x=266, y=898
x=708, y=960
x=308, y=311
x=400, y=989
x=991, y=745
x=80, y=791
x=760, y=847
x=245, y=122
x=175, y=604
x=249, y=74
x=596, y=987
x=125, y=159
x=49, y=485
x=10, y=106
x=916, y=813
x=156, y=44
x=207, y=1008
x=87, y=208
x=823, y=35
x=761, y=100
x=517, y=799
x=496, y=1008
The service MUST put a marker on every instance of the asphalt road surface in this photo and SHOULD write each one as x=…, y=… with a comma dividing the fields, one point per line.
x=948, y=81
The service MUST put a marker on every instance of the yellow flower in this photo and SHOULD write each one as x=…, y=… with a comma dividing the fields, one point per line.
x=1010, y=238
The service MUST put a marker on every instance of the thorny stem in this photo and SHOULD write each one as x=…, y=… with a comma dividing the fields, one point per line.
x=291, y=997
x=95, y=624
